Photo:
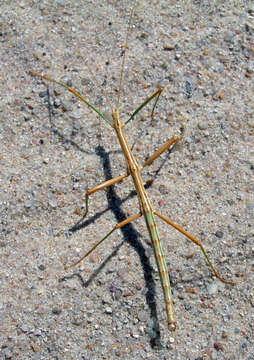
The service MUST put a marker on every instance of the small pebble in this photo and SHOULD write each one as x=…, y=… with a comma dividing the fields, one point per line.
x=229, y=36
x=66, y=106
x=171, y=340
x=212, y=288
x=53, y=203
x=76, y=115
x=219, y=234
x=218, y=346
x=168, y=47
x=108, y=310
x=43, y=94
x=56, y=311
x=143, y=316
x=251, y=122
x=28, y=204
x=202, y=125
x=25, y=328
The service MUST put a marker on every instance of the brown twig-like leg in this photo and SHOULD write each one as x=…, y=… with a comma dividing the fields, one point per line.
x=117, y=179
x=197, y=242
x=102, y=186
x=117, y=226
x=161, y=150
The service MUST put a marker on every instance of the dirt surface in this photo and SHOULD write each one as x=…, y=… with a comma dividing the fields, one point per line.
x=53, y=148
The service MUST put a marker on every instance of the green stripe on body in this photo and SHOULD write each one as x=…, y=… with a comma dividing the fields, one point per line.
x=152, y=228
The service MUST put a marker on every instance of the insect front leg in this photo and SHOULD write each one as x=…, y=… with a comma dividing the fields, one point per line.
x=102, y=186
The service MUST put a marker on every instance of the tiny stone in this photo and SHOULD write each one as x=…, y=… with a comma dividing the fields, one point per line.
x=90, y=320
x=37, y=332
x=220, y=95
x=57, y=103
x=127, y=293
x=248, y=75
x=202, y=125
x=168, y=47
x=118, y=294
x=143, y=316
x=67, y=106
x=229, y=36
x=27, y=117
x=212, y=289
x=35, y=348
x=219, y=234
x=28, y=204
x=53, y=203
x=188, y=140
x=186, y=277
x=171, y=340
x=108, y=310
x=138, y=286
x=135, y=335
x=218, y=346
x=111, y=270
x=251, y=123
x=56, y=311
x=41, y=267
x=224, y=335
x=163, y=189
x=76, y=114
x=244, y=345
x=112, y=288
x=43, y=94
x=106, y=299
x=188, y=89
x=25, y=328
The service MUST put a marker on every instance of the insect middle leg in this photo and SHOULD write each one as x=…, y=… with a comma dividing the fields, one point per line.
x=102, y=186
x=117, y=179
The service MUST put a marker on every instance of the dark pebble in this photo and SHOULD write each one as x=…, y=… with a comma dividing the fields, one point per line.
x=219, y=234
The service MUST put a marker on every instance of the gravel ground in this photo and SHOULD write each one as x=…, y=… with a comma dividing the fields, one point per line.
x=53, y=148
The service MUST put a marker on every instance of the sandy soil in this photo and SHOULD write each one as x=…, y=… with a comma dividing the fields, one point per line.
x=53, y=148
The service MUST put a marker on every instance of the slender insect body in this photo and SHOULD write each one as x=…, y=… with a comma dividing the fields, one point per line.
x=162, y=267
x=134, y=170
x=147, y=211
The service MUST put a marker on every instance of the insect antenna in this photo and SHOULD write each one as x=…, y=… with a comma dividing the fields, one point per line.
x=124, y=55
x=100, y=87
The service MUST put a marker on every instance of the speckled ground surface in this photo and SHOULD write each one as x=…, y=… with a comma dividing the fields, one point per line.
x=52, y=148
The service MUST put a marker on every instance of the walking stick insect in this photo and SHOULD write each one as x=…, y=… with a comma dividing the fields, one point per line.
x=134, y=170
